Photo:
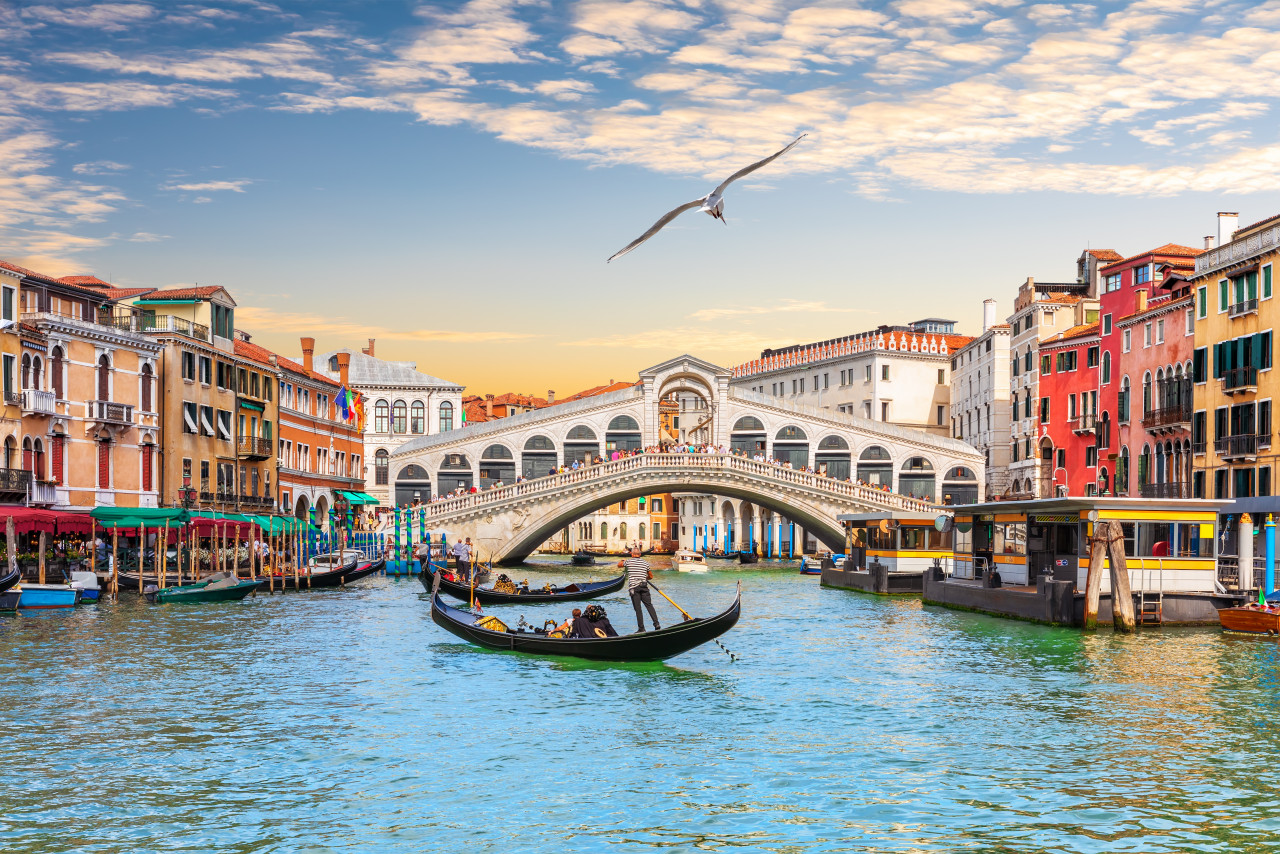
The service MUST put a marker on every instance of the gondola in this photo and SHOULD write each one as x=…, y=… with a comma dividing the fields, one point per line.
x=748, y=557
x=642, y=646
x=326, y=578
x=9, y=579
x=584, y=559
x=364, y=569
x=489, y=596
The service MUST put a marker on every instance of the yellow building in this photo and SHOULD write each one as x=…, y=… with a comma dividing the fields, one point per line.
x=15, y=482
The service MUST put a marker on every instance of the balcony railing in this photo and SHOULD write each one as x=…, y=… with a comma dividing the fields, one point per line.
x=179, y=325
x=109, y=412
x=1249, y=306
x=15, y=480
x=1086, y=423
x=1168, y=418
x=37, y=402
x=1240, y=379
x=1199, y=447
x=1236, y=447
x=43, y=493
x=13, y=398
x=252, y=448
x=264, y=502
x=1165, y=490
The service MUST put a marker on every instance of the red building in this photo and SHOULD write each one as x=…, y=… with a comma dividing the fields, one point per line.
x=1069, y=412
x=1146, y=350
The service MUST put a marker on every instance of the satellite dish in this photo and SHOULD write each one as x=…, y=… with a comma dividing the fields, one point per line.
x=944, y=523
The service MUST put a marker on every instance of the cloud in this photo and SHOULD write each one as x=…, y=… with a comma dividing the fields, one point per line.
x=288, y=58
x=609, y=27
x=675, y=339
x=20, y=94
x=99, y=167
x=210, y=186
x=107, y=17
x=303, y=323
x=147, y=237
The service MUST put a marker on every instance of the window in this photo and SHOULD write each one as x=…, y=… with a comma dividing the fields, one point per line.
x=1160, y=331
x=224, y=425
x=1146, y=334
x=1106, y=367
x=1068, y=360
x=884, y=410
x=1266, y=282
x=1198, y=374
x=446, y=416
x=206, y=421
x=868, y=373
x=884, y=374
x=1191, y=322
x=223, y=321
x=190, y=414
x=188, y=365
x=206, y=370
x=1091, y=358
x=1127, y=340
x=1111, y=283
x=1222, y=295
x=254, y=387
x=418, y=417
x=1142, y=275
x=942, y=376
x=1045, y=364
x=381, y=417
x=1202, y=301
x=940, y=415
x=1091, y=455
x=244, y=381
x=6, y=303
x=1044, y=410
x=1106, y=324
x=826, y=381
x=399, y=417
x=1026, y=408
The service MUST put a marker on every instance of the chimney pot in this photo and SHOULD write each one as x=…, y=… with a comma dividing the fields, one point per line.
x=1142, y=300
x=368, y=351
x=551, y=395
x=344, y=366
x=1209, y=241
x=488, y=405
x=988, y=314
x=308, y=351
x=1228, y=221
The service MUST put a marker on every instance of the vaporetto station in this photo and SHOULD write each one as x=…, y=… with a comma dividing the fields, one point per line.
x=866, y=465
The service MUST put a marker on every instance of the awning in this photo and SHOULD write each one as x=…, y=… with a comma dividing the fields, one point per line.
x=28, y=519
x=358, y=497
x=248, y=404
x=135, y=517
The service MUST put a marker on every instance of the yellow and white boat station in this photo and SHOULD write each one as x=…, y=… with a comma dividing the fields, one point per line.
x=901, y=542
x=1170, y=545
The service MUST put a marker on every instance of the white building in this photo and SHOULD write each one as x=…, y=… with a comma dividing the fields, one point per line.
x=733, y=524
x=900, y=375
x=980, y=399
x=614, y=528
x=402, y=403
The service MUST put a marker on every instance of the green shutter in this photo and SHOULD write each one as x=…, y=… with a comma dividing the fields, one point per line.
x=1266, y=282
x=1222, y=295
x=1218, y=360
x=1197, y=365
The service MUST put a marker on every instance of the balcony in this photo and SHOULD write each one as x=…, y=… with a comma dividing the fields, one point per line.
x=262, y=502
x=1240, y=380
x=1242, y=447
x=168, y=323
x=1165, y=490
x=15, y=481
x=36, y=402
x=251, y=448
x=1199, y=447
x=109, y=412
x=1086, y=423
x=1249, y=306
x=13, y=398
x=127, y=321
x=1168, y=418
x=43, y=492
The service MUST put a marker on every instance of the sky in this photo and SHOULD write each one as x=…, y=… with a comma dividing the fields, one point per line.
x=449, y=178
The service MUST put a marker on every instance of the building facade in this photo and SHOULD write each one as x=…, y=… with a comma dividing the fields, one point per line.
x=1067, y=412
x=980, y=397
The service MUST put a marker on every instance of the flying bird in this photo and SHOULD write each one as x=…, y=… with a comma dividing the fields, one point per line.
x=712, y=203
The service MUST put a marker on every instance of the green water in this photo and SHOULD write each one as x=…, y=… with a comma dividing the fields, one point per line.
x=347, y=721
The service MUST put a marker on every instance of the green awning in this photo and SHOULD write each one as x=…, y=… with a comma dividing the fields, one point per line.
x=251, y=405
x=358, y=497
x=135, y=517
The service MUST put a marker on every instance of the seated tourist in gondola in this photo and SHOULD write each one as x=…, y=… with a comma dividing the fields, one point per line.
x=594, y=623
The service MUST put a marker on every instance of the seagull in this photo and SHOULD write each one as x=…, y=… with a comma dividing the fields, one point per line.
x=712, y=203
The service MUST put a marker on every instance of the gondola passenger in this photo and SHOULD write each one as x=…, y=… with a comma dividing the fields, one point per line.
x=594, y=624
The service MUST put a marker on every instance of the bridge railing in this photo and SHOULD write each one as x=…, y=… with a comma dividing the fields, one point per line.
x=659, y=462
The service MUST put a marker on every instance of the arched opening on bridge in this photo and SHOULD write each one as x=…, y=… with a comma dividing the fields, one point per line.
x=455, y=473
x=833, y=458
x=916, y=478
x=791, y=445
x=581, y=445
x=497, y=465
x=875, y=466
x=960, y=486
x=693, y=416
x=302, y=509
x=539, y=457
x=747, y=436
x=412, y=482
x=623, y=435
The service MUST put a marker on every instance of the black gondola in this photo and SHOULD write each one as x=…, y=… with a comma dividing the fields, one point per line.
x=748, y=557
x=642, y=646
x=364, y=569
x=489, y=596
x=584, y=559
x=9, y=579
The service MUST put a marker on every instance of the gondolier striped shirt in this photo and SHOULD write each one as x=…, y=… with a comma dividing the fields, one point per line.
x=637, y=572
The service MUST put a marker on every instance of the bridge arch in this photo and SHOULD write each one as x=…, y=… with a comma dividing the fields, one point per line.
x=455, y=473
x=497, y=465
x=538, y=457
x=412, y=481
x=875, y=466
x=580, y=444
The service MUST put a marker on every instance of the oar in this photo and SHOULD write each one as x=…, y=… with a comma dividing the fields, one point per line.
x=687, y=618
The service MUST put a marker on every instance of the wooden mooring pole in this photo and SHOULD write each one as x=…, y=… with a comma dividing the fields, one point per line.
x=1122, y=618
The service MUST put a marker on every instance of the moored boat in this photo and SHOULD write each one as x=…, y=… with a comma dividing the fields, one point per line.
x=9, y=579
x=687, y=560
x=748, y=557
x=9, y=599
x=550, y=593
x=87, y=582
x=315, y=576
x=48, y=596
x=1253, y=619
x=217, y=588
x=656, y=645
x=364, y=568
x=583, y=558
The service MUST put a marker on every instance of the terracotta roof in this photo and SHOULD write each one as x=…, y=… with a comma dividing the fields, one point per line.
x=596, y=390
x=475, y=411
x=23, y=271
x=86, y=281
x=1104, y=254
x=1081, y=331
x=254, y=353
x=1254, y=225
x=1168, y=249
x=201, y=292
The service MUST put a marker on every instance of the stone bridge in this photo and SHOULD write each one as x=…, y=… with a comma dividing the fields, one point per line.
x=508, y=523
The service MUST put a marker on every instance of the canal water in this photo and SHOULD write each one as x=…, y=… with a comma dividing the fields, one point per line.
x=346, y=721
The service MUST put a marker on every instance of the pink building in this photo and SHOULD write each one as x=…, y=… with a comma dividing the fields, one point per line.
x=1069, y=412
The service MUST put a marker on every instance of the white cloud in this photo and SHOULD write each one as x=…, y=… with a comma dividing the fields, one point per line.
x=147, y=237
x=108, y=17
x=99, y=167
x=209, y=186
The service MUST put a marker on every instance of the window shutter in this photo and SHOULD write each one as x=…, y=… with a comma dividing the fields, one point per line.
x=1256, y=346
x=146, y=467
x=104, y=465
x=1197, y=365
x=57, y=459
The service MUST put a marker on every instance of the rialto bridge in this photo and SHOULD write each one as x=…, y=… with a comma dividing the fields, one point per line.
x=510, y=521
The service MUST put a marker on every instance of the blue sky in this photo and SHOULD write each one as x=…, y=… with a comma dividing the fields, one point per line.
x=449, y=178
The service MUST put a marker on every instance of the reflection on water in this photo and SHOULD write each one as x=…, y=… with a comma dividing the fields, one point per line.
x=346, y=721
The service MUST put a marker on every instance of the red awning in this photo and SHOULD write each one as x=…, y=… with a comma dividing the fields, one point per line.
x=74, y=523
x=208, y=527
x=28, y=519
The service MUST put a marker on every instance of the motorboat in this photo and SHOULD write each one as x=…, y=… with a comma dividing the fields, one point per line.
x=687, y=560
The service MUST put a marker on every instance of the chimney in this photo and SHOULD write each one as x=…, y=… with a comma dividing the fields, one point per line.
x=368, y=351
x=1142, y=301
x=1208, y=241
x=551, y=395
x=988, y=314
x=488, y=405
x=308, y=351
x=274, y=360
x=344, y=365
x=1228, y=221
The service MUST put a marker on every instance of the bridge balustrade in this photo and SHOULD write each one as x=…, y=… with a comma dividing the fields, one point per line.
x=658, y=462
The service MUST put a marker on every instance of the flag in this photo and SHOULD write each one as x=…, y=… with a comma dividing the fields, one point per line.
x=342, y=404
x=357, y=410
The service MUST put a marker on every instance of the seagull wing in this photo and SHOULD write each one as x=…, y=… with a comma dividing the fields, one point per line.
x=754, y=166
x=656, y=227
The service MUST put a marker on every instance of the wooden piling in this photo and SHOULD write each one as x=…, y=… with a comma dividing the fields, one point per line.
x=115, y=563
x=44, y=539
x=11, y=543
x=1093, y=587
x=161, y=563
x=93, y=548
x=1122, y=617
x=142, y=556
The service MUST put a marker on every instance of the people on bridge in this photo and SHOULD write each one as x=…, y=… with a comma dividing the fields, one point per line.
x=638, y=574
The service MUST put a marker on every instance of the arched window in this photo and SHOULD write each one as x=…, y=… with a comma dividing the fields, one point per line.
x=624, y=424
x=833, y=443
x=917, y=479
x=37, y=373
x=381, y=460
x=622, y=531
x=874, y=452
x=381, y=417
x=26, y=371
x=1106, y=367
x=748, y=424
x=147, y=454
x=104, y=378
x=27, y=460
x=791, y=433
x=145, y=396
x=55, y=369
x=399, y=417
x=104, y=462
x=604, y=531
x=1146, y=393
x=875, y=466
x=497, y=465
x=642, y=531
x=581, y=433
x=1122, y=471
x=10, y=452
x=1122, y=410
x=446, y=416
x=418, y=417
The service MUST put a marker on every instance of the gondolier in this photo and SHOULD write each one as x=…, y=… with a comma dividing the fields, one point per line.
x=638, y=575
x=462, y=559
